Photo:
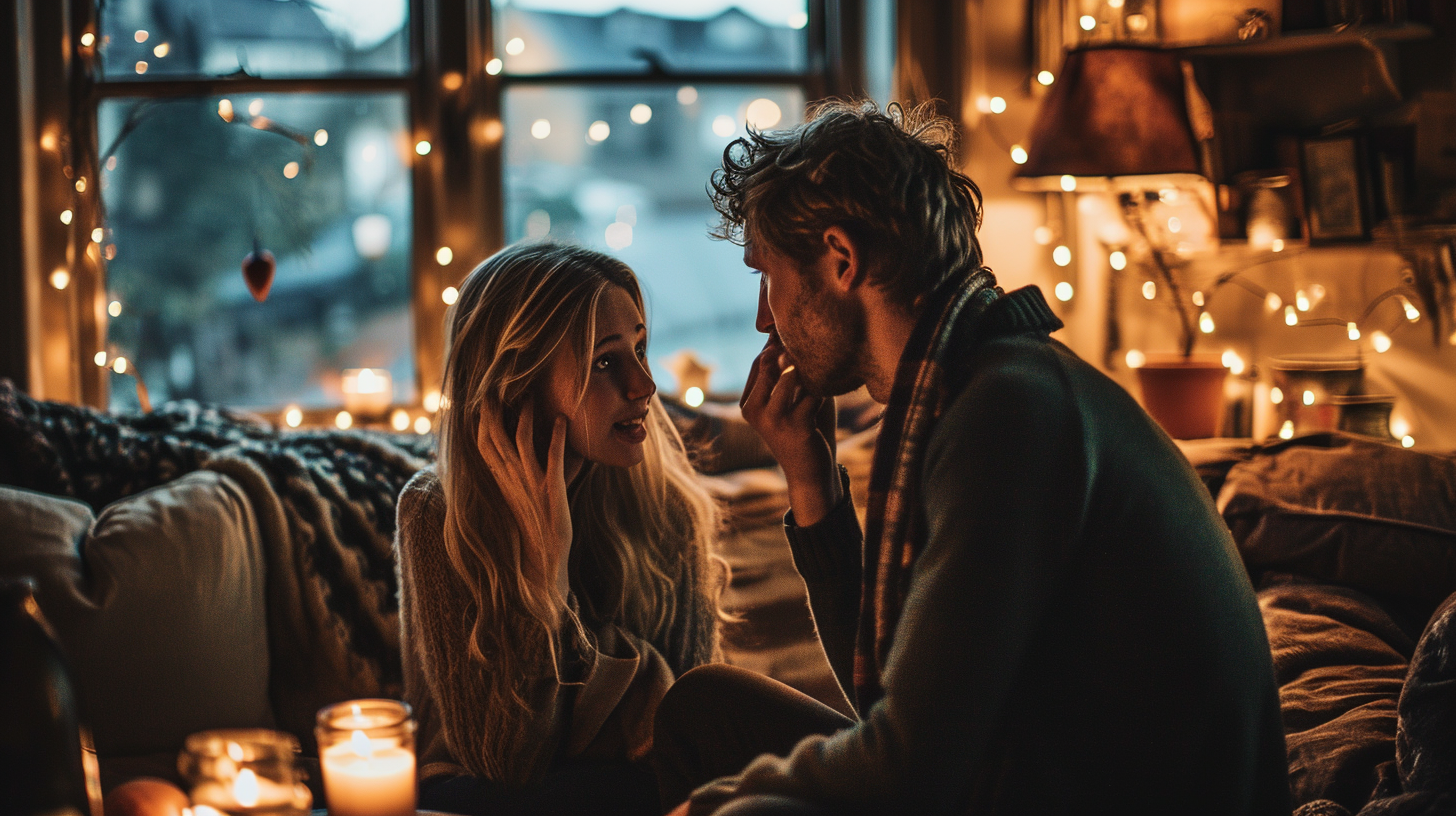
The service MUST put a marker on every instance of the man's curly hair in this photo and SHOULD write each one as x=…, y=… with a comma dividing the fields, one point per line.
x=885, y=177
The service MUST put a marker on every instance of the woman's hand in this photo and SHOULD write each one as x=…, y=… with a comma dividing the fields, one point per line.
x=798, y=429
x=549, y=483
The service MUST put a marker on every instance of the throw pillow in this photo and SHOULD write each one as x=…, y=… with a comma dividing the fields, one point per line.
x=158, y=602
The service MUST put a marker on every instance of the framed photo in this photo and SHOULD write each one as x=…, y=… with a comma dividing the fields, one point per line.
x=1336, y=197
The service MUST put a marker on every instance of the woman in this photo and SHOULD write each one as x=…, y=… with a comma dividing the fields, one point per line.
x=554, y=572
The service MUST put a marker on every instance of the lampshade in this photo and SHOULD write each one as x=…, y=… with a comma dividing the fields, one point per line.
x=1113, y=111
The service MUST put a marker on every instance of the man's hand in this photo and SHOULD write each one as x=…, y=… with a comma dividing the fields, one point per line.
x=798, y=429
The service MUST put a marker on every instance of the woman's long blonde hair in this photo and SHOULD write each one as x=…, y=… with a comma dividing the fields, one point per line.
x=637, y=531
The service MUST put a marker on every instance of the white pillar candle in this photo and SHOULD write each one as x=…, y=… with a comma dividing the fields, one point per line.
x=369, y=777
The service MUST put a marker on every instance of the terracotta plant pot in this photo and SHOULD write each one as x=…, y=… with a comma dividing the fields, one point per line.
x=1185, y=396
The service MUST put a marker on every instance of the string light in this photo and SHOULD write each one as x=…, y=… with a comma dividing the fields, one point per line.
x=1018, y=154
x=1277, y=245
x=343, y=420
x=1069, y=183
x=540, y=129
x=1276, y=395
x=1407, y=441
x=1233, y=362
x=119, y=365
x=1205, y=323
x=1197, y=297
x=444, y=255
x=798, y=20
x=81, y=184
x=1045, y=77
x=290, y=170
x=1291, y=317
x=687, y=95
x=1117, y=259
x=60, y=279
x=1150, y=290
x=493, y=66
x=320, y=137
x=293, y=417
x=1411, y=313
x=225, y=109
x=515, y=46
x=1136, y=359
x=724, y=125
x=141, y=35
x=432, y=400
x=1042, y=235
x=598, y=131
x=450, y=295
x=693, y=397
x=1353, y=331
x=1308, y=398
x=98, y=234
x=399, y=420
x=761, y=114
x=88, y=39
x=452, y=81
x=114, y=308
x=1286, y=431
x=422, y=147
x=100, y=358
x=1380, y=341
x=997, y=105
x=1088, y=22
x=1272, y=302
x=66, y=216
x=162, y=50
x=1064, y=291
x=641, y=113
x=422, y=425
x=1301, y=301
x=1062, y=255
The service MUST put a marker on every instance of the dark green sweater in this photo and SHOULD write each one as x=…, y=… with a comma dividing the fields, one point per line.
x=1080, y=634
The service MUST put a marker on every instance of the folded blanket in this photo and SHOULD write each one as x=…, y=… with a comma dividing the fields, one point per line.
x=326, y=507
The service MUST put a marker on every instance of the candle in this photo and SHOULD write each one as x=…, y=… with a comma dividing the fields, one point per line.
x=242, y=772
x=367, y=391
x=366, y=751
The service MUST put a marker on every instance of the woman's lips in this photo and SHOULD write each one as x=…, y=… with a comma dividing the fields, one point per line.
x=633, y=431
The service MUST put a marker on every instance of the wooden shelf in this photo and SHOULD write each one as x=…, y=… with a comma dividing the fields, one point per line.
x=1306, y=41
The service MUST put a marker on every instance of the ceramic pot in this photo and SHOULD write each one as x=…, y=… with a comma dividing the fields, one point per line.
x=1184, y=395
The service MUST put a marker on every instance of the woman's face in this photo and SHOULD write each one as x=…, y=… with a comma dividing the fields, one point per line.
x=607, y=425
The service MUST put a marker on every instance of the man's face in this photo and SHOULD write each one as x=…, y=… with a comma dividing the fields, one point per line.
x=821, y=331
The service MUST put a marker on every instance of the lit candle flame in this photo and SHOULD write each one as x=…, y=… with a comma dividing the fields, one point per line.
x=245, y=787
x=360, y=743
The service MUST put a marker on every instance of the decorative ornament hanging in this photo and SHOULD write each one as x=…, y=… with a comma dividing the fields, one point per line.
x=258, y=269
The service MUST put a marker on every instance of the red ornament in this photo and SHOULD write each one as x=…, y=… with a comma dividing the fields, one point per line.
x=258, y=269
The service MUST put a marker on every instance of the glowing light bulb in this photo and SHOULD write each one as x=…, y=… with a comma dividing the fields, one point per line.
x=598, y=131
x=493, y=66
x=81, y=184
x=444, y=255
x=1411, y=312
x=1232, y=361
x=1197, y=297
x=1308, y=398
x=422, y=147
x=293, y=417
x=320, y=137
x=761, y=114
x=1272, y=302
x=693, y=397
x=1136, y=359
x=1291, y=317
x=162, y=50
x=1150, y=290
x=997, y=105
x=141, y=35
x=100, y=358
x=618, y=235
x=687, y=95
x=66, y=216
x=798, y=20
x=1380, y=341
x=1205, y=323
x=119, y=365
x=88, y=39
x=225, y=109
x=60, y=279
x=343, y=420
x=1407, y=441
x=1117, y=259
x=1088, y=22
x=1286, y=431
x=1045, y=77
x=1175, y=224
x=1018, y=154
x=1276, y=396
x=1301, y=301
x=450, y=294
x=723, y=125
x=1062, y=255
x=432, y=401
x=1064, y=291
x=399, y=420
x=422, y=425
x=515, y=46
x=1353, y=331
x=1042, y=235
x=114, y=308
x=290, y=170
x=641, y=113
x=1277, y=245
x=1069, y=183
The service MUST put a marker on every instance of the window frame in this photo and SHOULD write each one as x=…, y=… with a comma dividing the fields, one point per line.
x=458, y=187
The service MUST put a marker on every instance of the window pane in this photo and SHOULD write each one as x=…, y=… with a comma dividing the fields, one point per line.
x=580, y=167
x=322, y=182
x=544, y=36
x=265, y=38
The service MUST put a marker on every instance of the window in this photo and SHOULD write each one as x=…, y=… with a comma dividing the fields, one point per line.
x=377, y=151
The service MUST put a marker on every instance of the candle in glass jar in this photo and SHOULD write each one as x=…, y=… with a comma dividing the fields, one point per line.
x=369, y=777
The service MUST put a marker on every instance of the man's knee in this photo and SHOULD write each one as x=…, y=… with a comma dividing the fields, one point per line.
x=695, y=695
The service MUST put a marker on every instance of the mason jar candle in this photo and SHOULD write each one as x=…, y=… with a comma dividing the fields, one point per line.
x=367, y=752
x=244, y=772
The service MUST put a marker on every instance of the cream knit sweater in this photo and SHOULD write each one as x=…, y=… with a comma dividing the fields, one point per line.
x=599, y=698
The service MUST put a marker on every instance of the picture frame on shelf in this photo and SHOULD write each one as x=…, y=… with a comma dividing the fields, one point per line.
x=1336, y=193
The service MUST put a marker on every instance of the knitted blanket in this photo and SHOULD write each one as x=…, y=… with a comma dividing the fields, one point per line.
x=325, y=504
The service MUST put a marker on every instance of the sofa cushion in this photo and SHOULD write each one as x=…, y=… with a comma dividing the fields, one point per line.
x=1349, y=511
x=158, y=603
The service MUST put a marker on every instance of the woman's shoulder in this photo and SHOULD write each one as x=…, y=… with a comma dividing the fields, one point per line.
x=421, y=505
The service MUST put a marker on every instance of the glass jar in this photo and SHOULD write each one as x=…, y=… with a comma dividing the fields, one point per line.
x=367, y=752
x=244, y=771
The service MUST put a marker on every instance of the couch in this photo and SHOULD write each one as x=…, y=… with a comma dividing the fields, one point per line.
x=204, y=569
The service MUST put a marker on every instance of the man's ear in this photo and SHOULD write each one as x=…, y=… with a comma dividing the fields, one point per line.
x=843, y=258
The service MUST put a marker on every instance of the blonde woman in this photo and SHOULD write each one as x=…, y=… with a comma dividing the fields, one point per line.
x=554, y=571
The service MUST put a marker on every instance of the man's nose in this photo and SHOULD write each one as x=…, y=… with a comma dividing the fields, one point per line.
x=764, y=320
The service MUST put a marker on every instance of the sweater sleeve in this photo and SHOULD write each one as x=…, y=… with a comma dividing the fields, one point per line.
x=1003, y=486
x=829, y=556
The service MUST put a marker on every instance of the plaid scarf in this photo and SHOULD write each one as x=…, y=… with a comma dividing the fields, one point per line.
x=894, y=534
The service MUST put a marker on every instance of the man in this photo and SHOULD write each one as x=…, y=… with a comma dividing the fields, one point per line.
x=1052, y=617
